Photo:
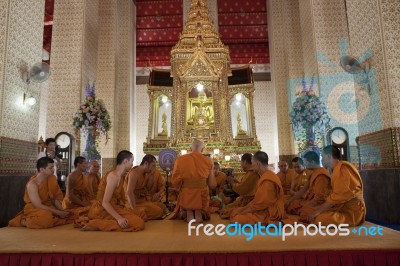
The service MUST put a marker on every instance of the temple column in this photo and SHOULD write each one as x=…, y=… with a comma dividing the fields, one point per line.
x=286, y=64
x=73, y=61
x=21, y=42
x=115, y=72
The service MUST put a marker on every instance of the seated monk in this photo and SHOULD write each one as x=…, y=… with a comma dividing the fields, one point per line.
x=315, y=192
x=268, y=203
x=345, y=204
x=78, y=193
x=172, y=192
x=136, y=190
x=193, y=175
x=42, y=200
x=93, y=177
x=246, y=188
x=108, y=212
x=220, y=178
x=217, y=193
x=302, y=175
x=155, y=185
x=286, y=175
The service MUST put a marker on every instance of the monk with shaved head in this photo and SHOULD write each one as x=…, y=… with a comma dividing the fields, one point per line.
x=193, y=176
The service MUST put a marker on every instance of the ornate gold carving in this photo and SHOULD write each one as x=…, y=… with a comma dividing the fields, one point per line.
x=201, y=57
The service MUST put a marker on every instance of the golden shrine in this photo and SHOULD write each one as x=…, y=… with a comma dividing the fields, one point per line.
x=201, y=96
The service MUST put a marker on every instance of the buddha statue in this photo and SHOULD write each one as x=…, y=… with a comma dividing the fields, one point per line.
x=202, y=114
x=164, y=126
x=240, y=131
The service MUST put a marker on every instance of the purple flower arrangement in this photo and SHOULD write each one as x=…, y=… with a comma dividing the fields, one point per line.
x=308, y=111
x=92, y=114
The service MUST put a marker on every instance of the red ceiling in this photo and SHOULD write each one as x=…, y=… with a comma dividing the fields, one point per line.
x=159, y=24
x=48, y=25
x=242, y=26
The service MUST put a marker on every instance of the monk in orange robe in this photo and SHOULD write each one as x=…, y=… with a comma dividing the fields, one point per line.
x=108, y=212
x=268, y=203
x=93, y=177
x=78, y=193
x=217, y=193
x=220, y=178
x=246, y=188
x=345, y=204
x=42, y=200
x=315, y=192
x=302, y=175
x=137, y=193
x=193, y=175
x=286, y=175
x=155, y=185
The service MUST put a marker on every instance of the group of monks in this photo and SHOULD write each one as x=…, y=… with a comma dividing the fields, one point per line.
x=126, y=197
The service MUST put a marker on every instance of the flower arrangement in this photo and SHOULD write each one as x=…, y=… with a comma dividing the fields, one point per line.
x=308, y=111
x=92, y=114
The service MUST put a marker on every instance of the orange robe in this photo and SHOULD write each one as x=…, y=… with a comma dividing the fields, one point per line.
x=100, y=219
x=286, y=179
x=318, y=190
x=142, y=198
x=268, y=203
x=246, y=190
x=94, y=185
x=190, y=175
x=220, y=179
x=155, y=183
x=347, y=197
x=37, y=218
x=80, y=189
x=301, y=179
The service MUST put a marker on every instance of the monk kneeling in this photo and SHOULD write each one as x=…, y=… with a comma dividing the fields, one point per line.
x=193, y=175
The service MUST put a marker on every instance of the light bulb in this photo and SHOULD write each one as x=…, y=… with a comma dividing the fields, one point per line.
x=238, y=97
x=164, y=99
x=31, y=101
x=216, y=151
x=199, y=87
x=183, y=152
x=227, y=158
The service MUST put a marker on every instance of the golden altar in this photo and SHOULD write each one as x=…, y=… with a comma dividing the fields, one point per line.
x=201, y=96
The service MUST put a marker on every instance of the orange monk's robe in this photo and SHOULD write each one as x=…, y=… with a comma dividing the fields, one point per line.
x=301, y=179
x=142, y=198
x=37, y=218
x=318, y=190
x=216, y=202
x=155, y=184
x=286, y=179
x=268, y=204
x=172, y=194
x=220, y=179
x=347, y=197
x=100, y=219
x=94, y=181
x=190, y=175
x=80, y=188
x=246, y=190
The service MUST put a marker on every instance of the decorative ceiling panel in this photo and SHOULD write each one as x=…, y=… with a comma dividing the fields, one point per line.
x=158, y=25
x=243, y=27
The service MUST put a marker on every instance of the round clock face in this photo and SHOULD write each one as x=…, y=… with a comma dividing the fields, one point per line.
x=63, y=140
x=338, y=136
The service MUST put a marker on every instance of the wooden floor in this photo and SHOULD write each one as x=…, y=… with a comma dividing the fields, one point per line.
x=168, y=236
